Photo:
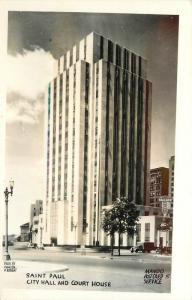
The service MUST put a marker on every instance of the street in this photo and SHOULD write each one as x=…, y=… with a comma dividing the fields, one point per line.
x=95, y=271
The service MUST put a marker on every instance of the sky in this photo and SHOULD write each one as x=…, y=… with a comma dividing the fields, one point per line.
x=35, y=41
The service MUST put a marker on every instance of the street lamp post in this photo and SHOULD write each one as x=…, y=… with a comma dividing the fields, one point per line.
x=7, y=192
x=75, y=226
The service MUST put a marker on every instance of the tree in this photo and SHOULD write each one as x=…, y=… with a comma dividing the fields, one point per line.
x=120, y=217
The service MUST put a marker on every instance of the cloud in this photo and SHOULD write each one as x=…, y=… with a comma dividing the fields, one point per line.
x=25, y=110
x=28, y=75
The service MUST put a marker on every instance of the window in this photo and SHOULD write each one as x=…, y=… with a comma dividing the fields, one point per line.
x=138, y=230
x=126, y=59
x=110, y=51
x=64, y=66
x=101, y=47
x=85, y=48
x=71, y=57
x=118, y=55
x=133, y=63
x=147, y=232
x=71, y=223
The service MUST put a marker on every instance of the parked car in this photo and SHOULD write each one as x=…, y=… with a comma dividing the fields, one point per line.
x=32, y=245
x=10, y=243
x=139, y=249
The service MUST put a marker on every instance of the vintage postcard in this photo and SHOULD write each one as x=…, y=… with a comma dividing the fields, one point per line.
x=89, y=194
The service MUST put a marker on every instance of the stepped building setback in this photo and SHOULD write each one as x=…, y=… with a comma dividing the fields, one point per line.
x=98, y=128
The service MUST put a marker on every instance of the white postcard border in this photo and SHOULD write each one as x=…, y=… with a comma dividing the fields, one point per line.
x=182, y=240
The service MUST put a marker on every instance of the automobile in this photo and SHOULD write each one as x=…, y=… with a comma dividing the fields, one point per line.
x=137, y=249
x=10, y=243
x=32, y=245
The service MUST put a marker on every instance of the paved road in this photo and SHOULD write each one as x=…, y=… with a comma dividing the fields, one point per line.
x=125, y=273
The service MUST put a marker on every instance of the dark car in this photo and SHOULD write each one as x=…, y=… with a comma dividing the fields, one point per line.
x=139, y=249
x=32, y=245
x=10, y=243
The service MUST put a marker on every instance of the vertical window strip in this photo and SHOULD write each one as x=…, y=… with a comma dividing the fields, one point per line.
x=58, y=66
x=146, y=138
x=101, y=47
x=147, y=232
x=54, y=137
x=66, y=134
x=140, y=66
x=133, y=63
x=116, y=133
x=110, y=51
x=71, y=58
x=96, y=124
x=124, y=134
x=60, y=135
x=85, y=48
x=73, y=137
x=125, y=59
x=77, y=52
x=48, y=139
x=65, y=63
x=139, y=141
x=131, y=137
x=73, y=146
x=86, y=147
x=118, y=55
x=107, y=135
x=95, y=146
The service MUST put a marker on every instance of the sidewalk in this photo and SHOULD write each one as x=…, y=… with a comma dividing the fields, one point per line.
x=141, y=257
x=42, y=267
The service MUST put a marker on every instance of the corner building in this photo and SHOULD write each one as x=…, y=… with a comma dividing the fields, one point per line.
x=159, y=185
x=97, y=138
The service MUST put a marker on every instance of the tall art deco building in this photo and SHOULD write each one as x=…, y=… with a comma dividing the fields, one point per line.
x=98, y=138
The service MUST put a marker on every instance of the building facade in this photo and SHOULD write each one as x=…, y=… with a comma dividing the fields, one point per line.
x=150, y=230
x=36, y=223
x=171, y=176
x=25, y=232
x=159, y=185
x=98, y=127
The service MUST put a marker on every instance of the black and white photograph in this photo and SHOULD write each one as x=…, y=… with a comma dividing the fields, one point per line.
x=90, y=151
